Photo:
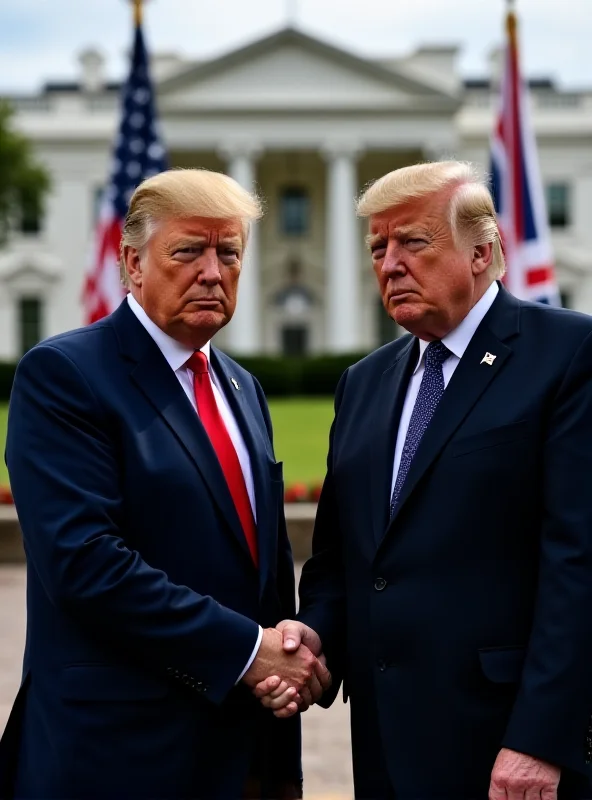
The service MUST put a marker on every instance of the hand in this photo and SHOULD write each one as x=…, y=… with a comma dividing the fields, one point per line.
x=517, y=776
x=285, y=701
x=276, y=694
x=295, y=668
x=296, y=633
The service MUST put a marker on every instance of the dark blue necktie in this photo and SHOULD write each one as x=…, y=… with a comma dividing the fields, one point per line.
x=429, y=395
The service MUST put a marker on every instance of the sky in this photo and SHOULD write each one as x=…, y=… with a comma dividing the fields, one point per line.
x=40, y=40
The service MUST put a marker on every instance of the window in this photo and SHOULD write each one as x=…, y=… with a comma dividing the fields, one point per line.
x=558, y=205
x=294, y=211
x=294, y=340
x=566, y=299
x=30, y=322
x=30, y=215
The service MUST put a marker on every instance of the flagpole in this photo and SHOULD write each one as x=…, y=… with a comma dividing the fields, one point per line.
x=512, y=22
x=138, y=12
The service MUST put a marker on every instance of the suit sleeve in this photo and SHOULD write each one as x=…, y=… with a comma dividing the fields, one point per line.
x=64, y=469
x=551, y=716
x=322, y=586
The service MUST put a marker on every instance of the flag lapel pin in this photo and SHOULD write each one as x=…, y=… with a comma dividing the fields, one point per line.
x=488, y=359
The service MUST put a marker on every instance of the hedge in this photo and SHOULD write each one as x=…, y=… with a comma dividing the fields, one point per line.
x=280, y=376
x=7, y=370
x=315, y=375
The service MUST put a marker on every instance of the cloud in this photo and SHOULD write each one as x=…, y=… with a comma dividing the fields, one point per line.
x=40, y=39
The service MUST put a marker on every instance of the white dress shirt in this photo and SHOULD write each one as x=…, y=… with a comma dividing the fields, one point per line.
x=457, y=342
x=177, y=355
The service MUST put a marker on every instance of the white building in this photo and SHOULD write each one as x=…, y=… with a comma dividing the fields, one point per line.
x=310, y=125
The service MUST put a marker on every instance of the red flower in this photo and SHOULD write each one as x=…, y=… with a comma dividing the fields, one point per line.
x=296, y=493
x=315, y=492
x=6, y=496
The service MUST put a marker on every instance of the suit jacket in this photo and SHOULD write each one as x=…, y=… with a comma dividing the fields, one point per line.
x=142, y=597
x=464, y=624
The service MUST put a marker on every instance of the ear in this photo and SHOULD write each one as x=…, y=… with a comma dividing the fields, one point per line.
x=131, y=258
x=482, y=258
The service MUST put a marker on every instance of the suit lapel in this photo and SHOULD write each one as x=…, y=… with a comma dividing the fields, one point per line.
x=158, y=382
x=390, y=395
x=470, y=380
x=259, y=457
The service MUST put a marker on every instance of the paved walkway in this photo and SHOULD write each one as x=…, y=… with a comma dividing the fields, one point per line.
x=327, y=763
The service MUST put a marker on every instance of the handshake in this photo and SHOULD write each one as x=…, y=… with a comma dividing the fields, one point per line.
x=289, y=672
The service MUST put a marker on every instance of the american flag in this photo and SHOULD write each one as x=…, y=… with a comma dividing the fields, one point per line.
x=517, y=187
x=137, y=154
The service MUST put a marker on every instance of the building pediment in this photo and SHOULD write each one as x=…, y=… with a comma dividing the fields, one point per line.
x=29, y=266
x=293, y=71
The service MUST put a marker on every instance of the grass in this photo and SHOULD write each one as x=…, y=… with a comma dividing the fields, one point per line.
x=301, y=436
x=301, y=432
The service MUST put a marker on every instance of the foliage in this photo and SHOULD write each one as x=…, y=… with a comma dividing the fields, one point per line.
x=311, y=376
x=24, y=182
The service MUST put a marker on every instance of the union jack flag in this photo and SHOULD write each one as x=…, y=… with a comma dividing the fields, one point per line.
x=137, y=154
x=517, y=187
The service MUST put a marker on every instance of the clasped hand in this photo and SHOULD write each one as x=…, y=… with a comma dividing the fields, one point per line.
x=289, y=673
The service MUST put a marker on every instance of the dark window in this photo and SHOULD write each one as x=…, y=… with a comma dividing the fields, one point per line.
x=30, y=215
x=294, y=211
x=566, y=299
x=294, y=340
x=559, y=205
x=30, y=322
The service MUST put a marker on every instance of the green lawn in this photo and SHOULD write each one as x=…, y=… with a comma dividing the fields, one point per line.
x=301, y=429
x=301, y=436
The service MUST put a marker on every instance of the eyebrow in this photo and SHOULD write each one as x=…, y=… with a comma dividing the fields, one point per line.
x=192, y=241
x=399, y=233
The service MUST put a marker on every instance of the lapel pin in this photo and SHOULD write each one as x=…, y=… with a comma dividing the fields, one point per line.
x=234, y=382
x=488, y=359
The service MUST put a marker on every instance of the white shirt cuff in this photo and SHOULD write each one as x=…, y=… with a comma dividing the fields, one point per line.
x=253, y=654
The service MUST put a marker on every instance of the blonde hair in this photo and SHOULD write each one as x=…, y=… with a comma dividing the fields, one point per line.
x=471, y=212
x=185, y=193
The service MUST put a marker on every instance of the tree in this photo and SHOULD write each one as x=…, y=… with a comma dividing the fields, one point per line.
x=23, y=181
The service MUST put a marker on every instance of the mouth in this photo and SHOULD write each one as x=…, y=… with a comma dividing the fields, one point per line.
x=205, y=303
x=399, y=295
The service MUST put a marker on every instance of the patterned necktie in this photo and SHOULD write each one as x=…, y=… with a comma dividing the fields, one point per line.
x=212, y=421
x=429, y=395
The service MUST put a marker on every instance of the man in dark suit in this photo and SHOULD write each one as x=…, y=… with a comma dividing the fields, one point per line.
x=151, y=506
x=451, y=578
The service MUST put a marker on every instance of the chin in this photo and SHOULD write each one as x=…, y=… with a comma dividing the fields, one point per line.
x=206, y=319
x=406, y=315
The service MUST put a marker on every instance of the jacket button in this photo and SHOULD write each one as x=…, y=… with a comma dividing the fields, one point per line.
x=381, y=663
x=379, y=584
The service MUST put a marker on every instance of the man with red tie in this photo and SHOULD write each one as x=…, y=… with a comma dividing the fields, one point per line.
x=150, y=501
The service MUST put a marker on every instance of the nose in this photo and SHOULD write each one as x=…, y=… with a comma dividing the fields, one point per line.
x=209, y=273
x=394, y=260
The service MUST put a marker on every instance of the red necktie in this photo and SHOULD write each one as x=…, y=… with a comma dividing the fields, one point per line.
x=222, y=443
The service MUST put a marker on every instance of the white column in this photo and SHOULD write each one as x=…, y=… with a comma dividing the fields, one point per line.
x=343, y=296
x=243, y=333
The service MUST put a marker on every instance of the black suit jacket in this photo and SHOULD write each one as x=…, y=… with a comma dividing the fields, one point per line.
x=142, y=597
x=464, y=624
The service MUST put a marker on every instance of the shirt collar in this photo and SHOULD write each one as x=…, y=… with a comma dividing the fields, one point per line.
x=175, y=353
x=459, y=339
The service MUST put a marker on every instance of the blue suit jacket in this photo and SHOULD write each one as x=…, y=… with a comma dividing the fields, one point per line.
x=464, y=624
x=142, y=598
